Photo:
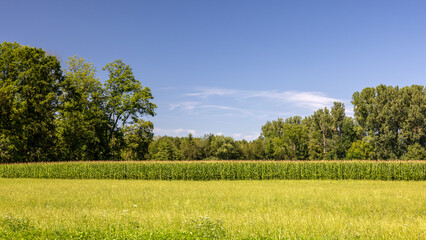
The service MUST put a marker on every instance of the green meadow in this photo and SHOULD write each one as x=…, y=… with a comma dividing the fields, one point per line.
x=152, y=209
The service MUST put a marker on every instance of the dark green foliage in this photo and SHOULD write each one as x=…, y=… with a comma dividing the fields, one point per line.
x=415, y=152
x=48, y=115
x=137, y=138
x=224, y=148
x=223, y=170
x=331, y=133
x=29, y=89
x=81, y=122
x=191, y=148
x=361, y=150
x=165, y=148
x=391, y=118
x=286, y=139
x=253, y=150
x=324, y=135
x=125, y=100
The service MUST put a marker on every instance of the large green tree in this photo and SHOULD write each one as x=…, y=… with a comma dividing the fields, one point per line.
x=320, y=126
x=331, y=133
x=29, y=89
x=391, y=119
x=125, y=100
x=82, y=119
x=286, y=139
x=343, y=132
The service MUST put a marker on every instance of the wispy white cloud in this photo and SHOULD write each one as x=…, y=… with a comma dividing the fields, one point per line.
x=174, y=132
x=227, y=108
x=184, y=132
x=311, y=100
x=190, y=106
x=253, y=106
x=252, y=136
x=237, y=135
x=207, y=92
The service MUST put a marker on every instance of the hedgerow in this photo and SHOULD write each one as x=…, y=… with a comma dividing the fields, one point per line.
x=221, y=170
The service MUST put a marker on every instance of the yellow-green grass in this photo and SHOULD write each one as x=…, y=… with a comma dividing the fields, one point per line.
x=277, y=209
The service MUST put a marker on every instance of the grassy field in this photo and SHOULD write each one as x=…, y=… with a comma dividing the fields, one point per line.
x=277, y=209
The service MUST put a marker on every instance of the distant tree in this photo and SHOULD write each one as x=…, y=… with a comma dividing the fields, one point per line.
x=253, y=150
x=164, y=148
x=29, y=87
x=281, y=151
x=286, y=139
x=8, y=150
x=296, y=139
x=415, y=152
x=137, y=138
x=269, y=149
x=315, y=147
x=342, y=132
x=320, y=126
x=191, y=148
x=206, y=146
x=411, y=106
x=224, y=148
x=256, y=149
x=323, y=121
x=361, y=150
x=391, y=118
x=331, y=133
x=273, y=129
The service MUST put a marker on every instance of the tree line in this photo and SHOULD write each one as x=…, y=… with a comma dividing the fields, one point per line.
x=50, y=113
x=388, y=123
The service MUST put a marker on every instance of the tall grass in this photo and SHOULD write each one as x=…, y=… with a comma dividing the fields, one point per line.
x=276, y=209
x=229, y=170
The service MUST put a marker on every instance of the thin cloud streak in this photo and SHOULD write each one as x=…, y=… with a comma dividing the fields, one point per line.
x=310, y=100
x=251, y=137
x=207, y=92
x=177, y=131
x=190, y=106
x=228, y=108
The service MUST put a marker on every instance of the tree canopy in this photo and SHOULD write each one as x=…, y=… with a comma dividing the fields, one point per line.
x=53, y=114
x=29, y=90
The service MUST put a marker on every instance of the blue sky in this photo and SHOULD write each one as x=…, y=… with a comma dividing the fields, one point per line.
x=227, y=67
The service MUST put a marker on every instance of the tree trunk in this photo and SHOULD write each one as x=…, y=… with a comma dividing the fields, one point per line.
x=323, y=143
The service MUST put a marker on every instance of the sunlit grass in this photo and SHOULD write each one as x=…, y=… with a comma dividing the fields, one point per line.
x=306, y=209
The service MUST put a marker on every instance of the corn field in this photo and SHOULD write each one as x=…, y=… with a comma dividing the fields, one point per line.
x=220, y=170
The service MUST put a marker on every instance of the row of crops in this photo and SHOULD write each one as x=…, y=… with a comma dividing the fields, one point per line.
x=229, y=170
